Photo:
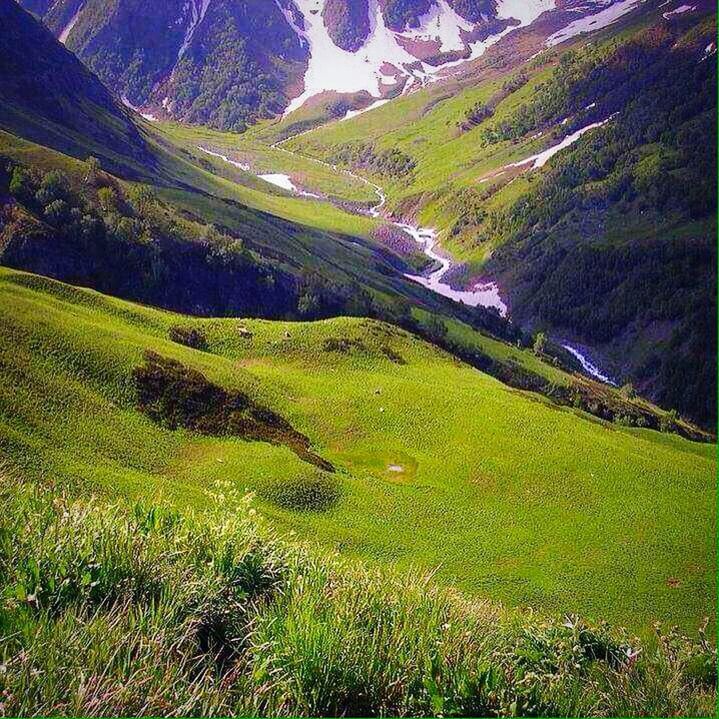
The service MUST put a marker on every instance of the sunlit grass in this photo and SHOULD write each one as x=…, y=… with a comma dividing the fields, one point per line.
x=439, y=466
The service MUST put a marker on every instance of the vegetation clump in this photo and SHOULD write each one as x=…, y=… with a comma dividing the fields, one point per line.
x=402, y=14
x=477, y=114
x=363, y=156
x=125, y=241
x=169, y=614
x=392, y=355
x=344, y=345
x=317, y=492
x=188, y=336
x=347, y=22
x=178, y=396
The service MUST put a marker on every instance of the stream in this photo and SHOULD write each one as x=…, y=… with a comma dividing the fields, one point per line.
x=482, y=294
x=587, y=365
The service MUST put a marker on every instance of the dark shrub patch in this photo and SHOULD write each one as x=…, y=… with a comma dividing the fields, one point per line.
x=178, y=396
x=188, y=336
x=701, y=669
x=344, y=345
x=308, y=493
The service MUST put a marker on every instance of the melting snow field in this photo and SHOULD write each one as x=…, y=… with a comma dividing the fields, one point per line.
x=333, y=69
x=541, y=159
x=587, y=365
x=148, y=116
x=280, y=180
x=285, y=182
x=590, y=23
x=239, y=165
x=679, y=11
x=526, y=11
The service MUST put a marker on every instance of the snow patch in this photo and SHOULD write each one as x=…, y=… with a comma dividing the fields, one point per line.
x=540, y=159
x=611, y=13
x=285, y=182
x=441, y=23
x=332, y=69
x=238, y=165
x=65, y=33
x=147, y=115
x=354, y=113
x=198, y=10
x=526, y=11
x=679, y=11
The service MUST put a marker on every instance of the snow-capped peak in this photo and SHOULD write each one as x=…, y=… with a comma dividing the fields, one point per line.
x=389, y=59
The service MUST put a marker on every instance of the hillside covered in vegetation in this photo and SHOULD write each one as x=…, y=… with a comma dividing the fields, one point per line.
x=608, y=243
x=164, y=614
x=393, y=410
x=373, y=431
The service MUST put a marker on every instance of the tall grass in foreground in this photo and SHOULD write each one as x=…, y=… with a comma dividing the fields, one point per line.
x=110, y=610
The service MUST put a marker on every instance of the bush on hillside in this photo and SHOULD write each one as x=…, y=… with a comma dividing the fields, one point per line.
x=175, y=395
x=188, y=336
x=316, y=492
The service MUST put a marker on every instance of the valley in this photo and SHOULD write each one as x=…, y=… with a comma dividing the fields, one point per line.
x=358, y=358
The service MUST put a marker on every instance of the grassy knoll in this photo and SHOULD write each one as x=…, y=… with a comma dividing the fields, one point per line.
x=437, y=465
x=113, y=610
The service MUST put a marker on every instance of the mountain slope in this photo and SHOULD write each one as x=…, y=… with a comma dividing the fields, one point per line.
x=219, y=62
x=165, y=259
x=54, y=96
x=229, y=64
x=435, y=464
x=560, y=194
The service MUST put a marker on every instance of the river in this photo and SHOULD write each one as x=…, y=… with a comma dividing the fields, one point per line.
x=481, y=294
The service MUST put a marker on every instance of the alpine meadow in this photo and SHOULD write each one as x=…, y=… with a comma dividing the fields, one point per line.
x=358, y=358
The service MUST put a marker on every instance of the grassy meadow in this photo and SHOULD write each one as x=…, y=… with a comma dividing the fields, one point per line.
x=140, y=610
x=438, y=467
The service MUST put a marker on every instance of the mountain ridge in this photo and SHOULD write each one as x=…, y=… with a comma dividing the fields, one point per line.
x=225, y=65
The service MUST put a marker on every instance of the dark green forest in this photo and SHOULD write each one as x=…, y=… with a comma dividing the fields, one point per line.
x=618, y=237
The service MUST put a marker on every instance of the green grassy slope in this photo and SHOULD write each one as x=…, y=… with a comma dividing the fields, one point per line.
x=426, y=125
x=438, y=466
x=118, y=263
x=171, y=614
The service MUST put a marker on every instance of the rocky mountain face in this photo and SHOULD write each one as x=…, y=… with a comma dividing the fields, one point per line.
x=228, y=63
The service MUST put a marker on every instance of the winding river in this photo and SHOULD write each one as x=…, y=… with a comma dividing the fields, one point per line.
x=482, y=294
